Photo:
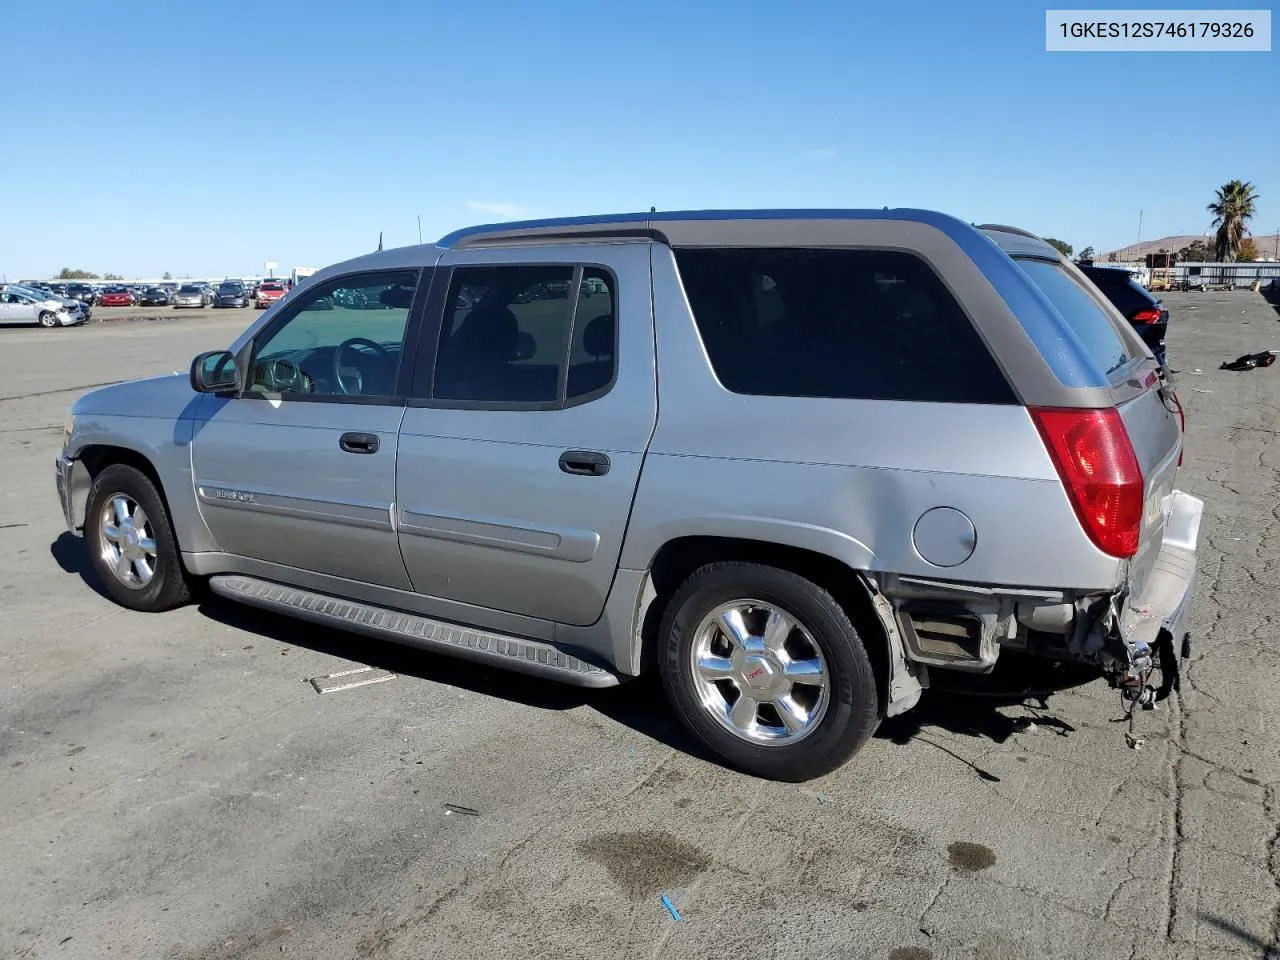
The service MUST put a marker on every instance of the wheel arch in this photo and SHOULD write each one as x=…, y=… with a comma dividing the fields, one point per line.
x=676, y=559
x=95, y=458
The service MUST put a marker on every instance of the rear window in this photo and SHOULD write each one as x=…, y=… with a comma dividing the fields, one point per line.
x=853, y=324
x=1104, y=344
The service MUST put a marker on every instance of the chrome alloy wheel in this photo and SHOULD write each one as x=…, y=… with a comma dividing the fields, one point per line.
x=760, y=673
x=128, y=543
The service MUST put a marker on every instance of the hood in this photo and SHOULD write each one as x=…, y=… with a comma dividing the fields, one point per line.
x=165, y=396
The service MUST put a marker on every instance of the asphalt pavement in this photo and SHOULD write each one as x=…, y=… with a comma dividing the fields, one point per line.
x=173, y=786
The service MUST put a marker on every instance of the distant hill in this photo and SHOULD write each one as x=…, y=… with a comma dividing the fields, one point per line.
x=1266, y=246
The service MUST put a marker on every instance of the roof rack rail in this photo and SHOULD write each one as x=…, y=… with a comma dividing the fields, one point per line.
x=1006, y=229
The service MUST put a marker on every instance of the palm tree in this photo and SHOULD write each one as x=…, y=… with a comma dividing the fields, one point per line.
x=1231, y=211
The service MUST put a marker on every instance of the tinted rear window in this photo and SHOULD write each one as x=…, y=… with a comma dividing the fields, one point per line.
x=1101, y=340
x=836, y=323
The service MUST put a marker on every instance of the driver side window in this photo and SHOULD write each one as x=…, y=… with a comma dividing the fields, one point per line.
x=344, y=338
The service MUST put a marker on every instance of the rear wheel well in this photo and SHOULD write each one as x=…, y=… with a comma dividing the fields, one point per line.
x=679, y=558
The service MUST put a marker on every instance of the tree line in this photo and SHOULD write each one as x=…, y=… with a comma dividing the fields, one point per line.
x=68, y=273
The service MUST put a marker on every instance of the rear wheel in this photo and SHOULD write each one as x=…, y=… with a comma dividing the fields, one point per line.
x=48, y=320
x=131, y=541
x=765, y=668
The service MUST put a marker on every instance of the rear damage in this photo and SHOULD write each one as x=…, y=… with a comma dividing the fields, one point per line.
x=1127, y=633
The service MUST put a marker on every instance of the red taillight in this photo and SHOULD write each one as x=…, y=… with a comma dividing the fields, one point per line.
x=1145, y=316
x=1097, y=465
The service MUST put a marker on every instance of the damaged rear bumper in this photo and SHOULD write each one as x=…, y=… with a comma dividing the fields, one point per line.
x=1166, y=596
x=956, y=626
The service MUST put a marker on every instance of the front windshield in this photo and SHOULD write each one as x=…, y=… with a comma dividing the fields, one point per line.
x=189, y=289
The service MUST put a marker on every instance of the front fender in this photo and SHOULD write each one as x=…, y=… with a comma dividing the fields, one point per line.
x=152, y=419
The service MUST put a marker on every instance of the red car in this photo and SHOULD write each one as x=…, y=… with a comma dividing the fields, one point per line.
x=268, y=293
x=116, y=297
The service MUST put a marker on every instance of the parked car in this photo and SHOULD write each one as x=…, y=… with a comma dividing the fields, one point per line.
x=82, y=292
x=1146, y=312
x=231, y=294
x=116, y=297
x=79, y=312
x=268, y=292
x=19, y=305
x=155, y=297
x=191, y=295
x=745, y=468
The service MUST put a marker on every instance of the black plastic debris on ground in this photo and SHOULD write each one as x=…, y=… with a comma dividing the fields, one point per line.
x=1249, y=361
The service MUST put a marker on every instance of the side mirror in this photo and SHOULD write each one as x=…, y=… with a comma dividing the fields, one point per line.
x=215, y=372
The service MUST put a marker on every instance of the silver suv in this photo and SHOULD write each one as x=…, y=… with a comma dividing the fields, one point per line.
x=794, y=461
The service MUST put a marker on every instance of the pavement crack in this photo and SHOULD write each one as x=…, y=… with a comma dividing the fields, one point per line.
x=51, y=393
x=1272, y=807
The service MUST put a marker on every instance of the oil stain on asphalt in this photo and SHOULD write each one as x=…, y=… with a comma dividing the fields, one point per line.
x=644, y=862
x=970, y=857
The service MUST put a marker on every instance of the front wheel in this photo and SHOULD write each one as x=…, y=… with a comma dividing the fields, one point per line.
x=131, y=541
x=765, y=668
x=48, y=320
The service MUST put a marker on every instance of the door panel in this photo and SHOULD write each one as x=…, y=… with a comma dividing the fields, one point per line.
x=273, y=483
x=487, y=514
x=300, y=468
x=496, y=523
x=14, y=309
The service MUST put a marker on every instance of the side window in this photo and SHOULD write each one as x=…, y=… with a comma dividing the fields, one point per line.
x=343, y=338
x=525, y=335
x=866, y=324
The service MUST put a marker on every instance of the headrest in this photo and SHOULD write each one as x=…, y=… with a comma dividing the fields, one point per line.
x=597, y=338
x=492, y=334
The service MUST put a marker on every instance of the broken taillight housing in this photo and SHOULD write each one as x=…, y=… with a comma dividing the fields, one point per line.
x=1100, y=471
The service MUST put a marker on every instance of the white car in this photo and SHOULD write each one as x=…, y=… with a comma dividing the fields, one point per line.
x=80, y=311
x=22, y=305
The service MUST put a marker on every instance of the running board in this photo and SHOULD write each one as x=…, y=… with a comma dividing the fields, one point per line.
x=536, y=657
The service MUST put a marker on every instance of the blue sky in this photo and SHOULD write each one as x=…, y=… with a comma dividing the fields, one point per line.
x=208, y=138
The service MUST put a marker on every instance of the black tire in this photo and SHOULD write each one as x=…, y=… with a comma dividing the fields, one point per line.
x=853, y=709
x=47, y=320
x=168, y=587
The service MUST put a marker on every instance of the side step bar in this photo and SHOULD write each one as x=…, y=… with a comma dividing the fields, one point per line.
x=536, y=657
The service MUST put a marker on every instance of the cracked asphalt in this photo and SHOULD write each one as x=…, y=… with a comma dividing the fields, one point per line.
x=172, y=787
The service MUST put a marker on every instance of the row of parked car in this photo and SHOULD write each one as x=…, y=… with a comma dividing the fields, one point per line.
x=69, y=305
x=228, y=293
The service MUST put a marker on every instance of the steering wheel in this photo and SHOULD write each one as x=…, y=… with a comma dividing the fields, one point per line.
x=381, y=352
